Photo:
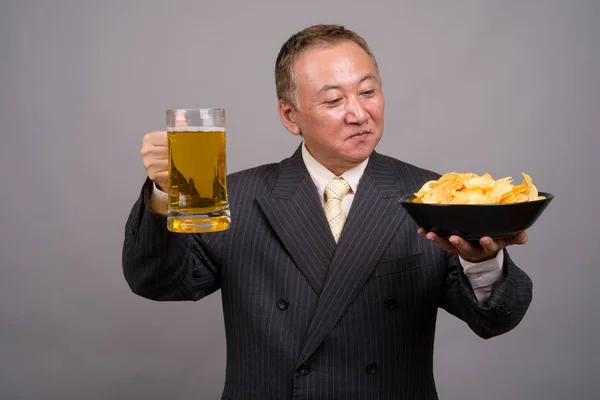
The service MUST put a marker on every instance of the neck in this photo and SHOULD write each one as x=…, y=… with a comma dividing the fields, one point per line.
x=338, y=168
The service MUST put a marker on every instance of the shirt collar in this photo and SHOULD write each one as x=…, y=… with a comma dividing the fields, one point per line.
x=321, y=175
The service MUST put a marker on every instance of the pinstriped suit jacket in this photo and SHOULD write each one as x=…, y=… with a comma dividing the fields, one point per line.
x=304, y=318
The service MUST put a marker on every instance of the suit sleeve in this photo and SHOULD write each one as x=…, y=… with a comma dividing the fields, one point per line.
x=162, y=265
x=505, y=308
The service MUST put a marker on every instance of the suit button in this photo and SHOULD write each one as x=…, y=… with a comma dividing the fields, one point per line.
x=303, y=369
x=283, y=303
x=391, y=303
x=371, y=368
x=504, y=310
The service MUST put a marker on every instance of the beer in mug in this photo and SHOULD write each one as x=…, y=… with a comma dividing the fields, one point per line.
x=197, y=171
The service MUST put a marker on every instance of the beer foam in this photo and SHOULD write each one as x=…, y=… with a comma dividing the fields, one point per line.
x=196, y=129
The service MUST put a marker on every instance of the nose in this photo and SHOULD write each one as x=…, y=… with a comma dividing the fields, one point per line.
x=355, y=112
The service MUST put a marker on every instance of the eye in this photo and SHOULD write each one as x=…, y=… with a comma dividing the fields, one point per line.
x=368, y=93
x=333, y=102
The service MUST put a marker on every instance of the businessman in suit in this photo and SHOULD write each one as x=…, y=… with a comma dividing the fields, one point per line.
x=329, y=289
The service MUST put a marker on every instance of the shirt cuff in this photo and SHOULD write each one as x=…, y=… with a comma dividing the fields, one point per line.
x=483, y=275
x=158, y=200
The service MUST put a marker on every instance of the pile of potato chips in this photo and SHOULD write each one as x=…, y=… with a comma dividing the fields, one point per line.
x=470, y=188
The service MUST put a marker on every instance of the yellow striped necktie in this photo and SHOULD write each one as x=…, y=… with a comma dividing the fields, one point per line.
x=335, y=191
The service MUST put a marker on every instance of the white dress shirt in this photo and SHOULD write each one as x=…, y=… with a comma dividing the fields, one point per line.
x=481, y=275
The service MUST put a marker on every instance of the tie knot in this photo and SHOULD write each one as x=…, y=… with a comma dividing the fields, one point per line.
x=336, y=188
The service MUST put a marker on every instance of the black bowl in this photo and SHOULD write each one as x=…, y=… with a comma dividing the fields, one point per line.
x=472, y=221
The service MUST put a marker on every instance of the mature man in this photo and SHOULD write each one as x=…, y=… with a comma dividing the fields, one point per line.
x=329, y=290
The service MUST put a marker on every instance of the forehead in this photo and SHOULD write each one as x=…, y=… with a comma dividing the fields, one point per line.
x=332, y=64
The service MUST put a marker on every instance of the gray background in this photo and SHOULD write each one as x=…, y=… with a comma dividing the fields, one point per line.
x=496, y=86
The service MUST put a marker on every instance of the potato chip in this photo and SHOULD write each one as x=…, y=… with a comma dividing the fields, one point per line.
x=457, y=180
x=468, y=196
x=441, y=194
x=501, y=189
x=533, y=192
x=512, y=195
x=484, y=182
x=424, y=189
x=470, y=188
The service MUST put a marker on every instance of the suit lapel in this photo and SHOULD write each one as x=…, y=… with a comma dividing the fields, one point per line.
x=374, y=218
x=294, y=210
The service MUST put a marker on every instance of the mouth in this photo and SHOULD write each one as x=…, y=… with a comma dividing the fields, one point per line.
x=360, y=134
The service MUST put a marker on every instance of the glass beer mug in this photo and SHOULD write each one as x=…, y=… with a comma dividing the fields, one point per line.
x=197, y=171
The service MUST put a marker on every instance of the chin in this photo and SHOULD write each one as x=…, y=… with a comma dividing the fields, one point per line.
x=363, y=149
x=356, y=157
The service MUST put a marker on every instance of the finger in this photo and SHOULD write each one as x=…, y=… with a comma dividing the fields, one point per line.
x=432, y=236
x=154, y=140
x=524, y=237
x=461, y=244
x=149, y=149
x=422, y=232
x=159, y=138
x=158, y=152
x=473, y=252
x=490, y=245
x=154, y=153
x=442, y=243
x=155, y=165
x=519, y=239
x=162, y=180
x=158, y=175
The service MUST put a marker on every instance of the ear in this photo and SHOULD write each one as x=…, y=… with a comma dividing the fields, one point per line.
x=287, y=115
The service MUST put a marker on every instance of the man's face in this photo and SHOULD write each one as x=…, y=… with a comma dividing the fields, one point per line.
x=340, y=104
